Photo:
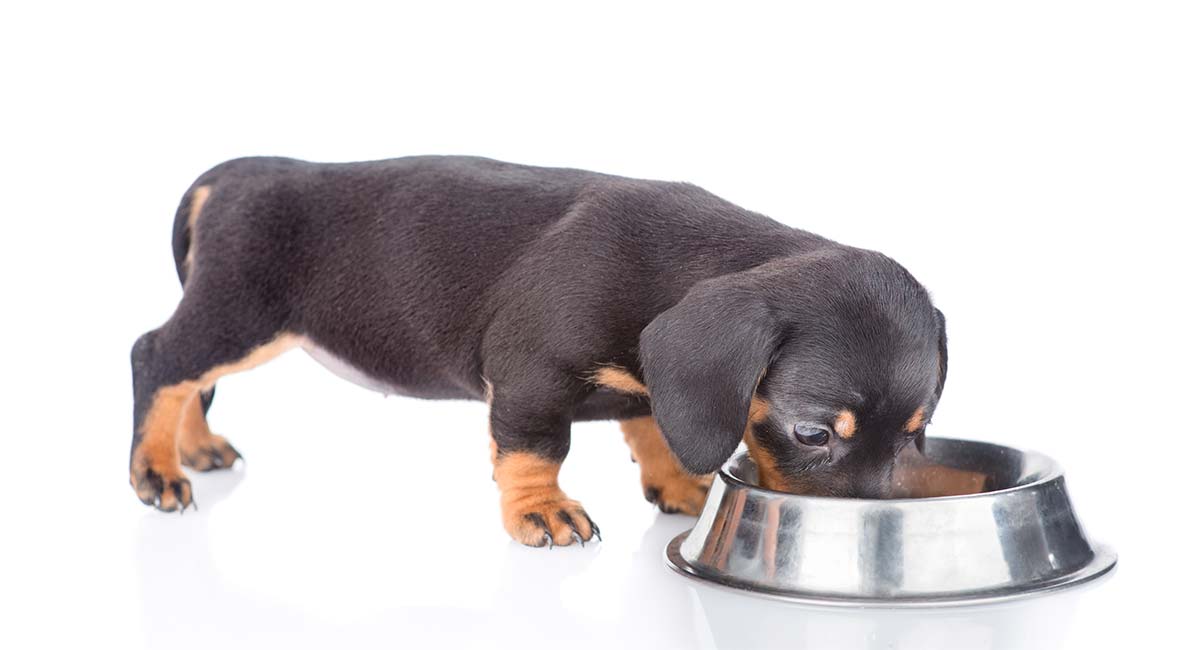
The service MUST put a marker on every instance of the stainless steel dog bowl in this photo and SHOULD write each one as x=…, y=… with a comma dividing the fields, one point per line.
x=976, y=522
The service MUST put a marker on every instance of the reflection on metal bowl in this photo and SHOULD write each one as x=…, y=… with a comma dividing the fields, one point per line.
x=975, y=522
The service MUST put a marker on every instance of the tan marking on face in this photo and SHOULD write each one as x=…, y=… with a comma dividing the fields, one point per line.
x=199, y=196
x=620, y=380
x=171, y=411
x=769, y=475
x=759, y=409
x=768, y=472
x=677, y=488
x=914, y=423
x=845, y=425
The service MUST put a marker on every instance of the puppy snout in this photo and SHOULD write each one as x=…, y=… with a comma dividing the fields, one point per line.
x=873, y=491
x=875, y=485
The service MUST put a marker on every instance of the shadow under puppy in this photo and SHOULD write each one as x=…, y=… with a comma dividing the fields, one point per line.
x=556, y=295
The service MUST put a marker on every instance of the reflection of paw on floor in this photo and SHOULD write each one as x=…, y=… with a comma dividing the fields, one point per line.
x=664, y=482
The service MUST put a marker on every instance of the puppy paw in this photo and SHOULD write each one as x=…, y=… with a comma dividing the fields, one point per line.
x=675, y=491
x=204, y=453
x=665, y=482
x=552, y=520
x=164, y=488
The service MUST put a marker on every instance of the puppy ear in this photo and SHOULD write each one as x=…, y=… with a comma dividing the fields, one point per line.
x=943, y=358
x=702, y=360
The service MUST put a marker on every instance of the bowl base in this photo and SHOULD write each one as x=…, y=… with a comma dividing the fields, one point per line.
x=1103, y=561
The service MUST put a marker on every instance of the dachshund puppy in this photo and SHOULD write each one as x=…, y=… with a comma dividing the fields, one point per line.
x=556, y=296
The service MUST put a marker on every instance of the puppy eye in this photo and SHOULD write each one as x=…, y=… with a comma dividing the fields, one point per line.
x=810, y=435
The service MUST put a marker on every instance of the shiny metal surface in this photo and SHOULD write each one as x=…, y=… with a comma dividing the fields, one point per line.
x=978, y=522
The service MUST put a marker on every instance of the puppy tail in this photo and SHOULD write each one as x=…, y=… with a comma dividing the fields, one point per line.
x=182, y=237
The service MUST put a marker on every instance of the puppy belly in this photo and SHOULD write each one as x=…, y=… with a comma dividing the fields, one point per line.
x=345, y=370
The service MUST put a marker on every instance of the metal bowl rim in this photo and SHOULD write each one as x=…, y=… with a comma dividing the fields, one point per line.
x=1053, y=472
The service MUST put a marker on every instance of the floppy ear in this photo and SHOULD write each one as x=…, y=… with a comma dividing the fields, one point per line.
x=943, y=359
x=702, y=360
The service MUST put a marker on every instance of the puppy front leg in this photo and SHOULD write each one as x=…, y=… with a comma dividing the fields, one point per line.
x=527, y=451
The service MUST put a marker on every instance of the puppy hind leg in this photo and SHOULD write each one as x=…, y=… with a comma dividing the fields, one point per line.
x=199, y=447
x=154, y=468
x=172, y=366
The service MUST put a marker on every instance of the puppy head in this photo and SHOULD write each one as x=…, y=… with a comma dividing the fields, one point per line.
x=827, y=364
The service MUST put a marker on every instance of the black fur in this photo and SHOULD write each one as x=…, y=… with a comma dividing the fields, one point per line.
x=432, y=274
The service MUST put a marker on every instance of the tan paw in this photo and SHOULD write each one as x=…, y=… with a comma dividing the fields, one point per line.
x=535, y=510
x=679, y=492
x=549, y=520
x=664, y=481
x=161, y=485
x=204, y=453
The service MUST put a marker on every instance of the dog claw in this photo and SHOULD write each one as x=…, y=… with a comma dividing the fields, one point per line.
x=540, y=522
x=547, y=528
x=566, y=519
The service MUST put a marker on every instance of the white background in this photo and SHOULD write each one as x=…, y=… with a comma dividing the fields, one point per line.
x=1035, y=164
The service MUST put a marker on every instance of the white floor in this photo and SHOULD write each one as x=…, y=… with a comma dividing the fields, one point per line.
x=361, y=522
x=1032, y=163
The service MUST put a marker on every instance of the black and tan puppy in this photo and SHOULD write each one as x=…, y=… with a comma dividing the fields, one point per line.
x=556, y=295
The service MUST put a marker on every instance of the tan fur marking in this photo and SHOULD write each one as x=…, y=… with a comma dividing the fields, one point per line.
x=915, y=422
x=620, y=380
x=488, y=394
x=529, y=486
x=159, y=449
x=193, y=426
x=170, y=412
x=199, y=196
x=662, y=475
x=768, y=473
x=257, y=357
x=845, y=425
x=199, y=447
x=759, y=409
